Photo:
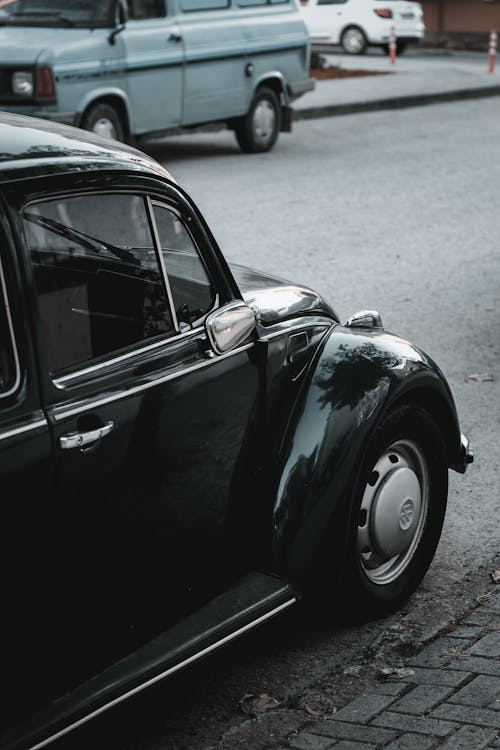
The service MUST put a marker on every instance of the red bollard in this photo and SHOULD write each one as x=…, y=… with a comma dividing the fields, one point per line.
x=492, y=53
x=392, y=45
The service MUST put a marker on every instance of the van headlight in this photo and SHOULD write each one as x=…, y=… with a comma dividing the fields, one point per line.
x=22, y=82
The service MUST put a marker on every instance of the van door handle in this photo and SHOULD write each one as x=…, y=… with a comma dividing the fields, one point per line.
x=80, y=439
x=175, y=36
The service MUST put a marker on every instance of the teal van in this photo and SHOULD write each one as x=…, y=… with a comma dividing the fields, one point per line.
x=129, y=68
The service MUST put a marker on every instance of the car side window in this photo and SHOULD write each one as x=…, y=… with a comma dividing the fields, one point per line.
x=98, y=280
x=193, y=294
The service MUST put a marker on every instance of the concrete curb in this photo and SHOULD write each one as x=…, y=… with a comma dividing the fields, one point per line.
x=397, y=102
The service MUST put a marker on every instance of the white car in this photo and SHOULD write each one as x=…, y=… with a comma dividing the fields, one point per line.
x=356, y=24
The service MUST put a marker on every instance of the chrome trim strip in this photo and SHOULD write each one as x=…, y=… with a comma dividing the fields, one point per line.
x=17, y=379
x=164, y=674
x=26, y=428
x=161, y=259
x=284, y=331
x=146, y=386
x=60, y=382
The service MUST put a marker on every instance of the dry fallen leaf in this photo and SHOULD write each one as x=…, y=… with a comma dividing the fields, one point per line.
x=495, y=576
x=315, y=711
x=258, y=704
x=481, y=377
x=399, y=672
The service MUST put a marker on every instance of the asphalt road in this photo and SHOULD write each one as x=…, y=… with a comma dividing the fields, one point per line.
x=397, y=211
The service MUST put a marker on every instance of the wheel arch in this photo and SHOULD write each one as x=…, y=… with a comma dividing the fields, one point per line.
x=276, y=83
x=371, y=373
x=117, y=99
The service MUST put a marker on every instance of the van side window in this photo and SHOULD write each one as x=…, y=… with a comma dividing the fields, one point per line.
x=98, y=280
x=193, y=294
x=192, y=5
x=138, y=10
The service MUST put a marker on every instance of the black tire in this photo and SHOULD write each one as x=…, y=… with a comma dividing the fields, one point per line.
x=104, y=120
x=258, y=130
x=398, y=512
x=354, y=41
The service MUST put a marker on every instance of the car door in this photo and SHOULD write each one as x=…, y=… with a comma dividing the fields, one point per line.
x=325, y=19
x=151, y=428
x=27, y=499
x=154, y=55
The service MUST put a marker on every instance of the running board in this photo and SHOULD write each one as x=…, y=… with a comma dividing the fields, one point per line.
x=253, y=600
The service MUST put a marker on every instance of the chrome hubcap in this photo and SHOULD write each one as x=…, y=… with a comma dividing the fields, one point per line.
x=263, y=122
x=393, y=512
x=104, y=127
x=353, y=41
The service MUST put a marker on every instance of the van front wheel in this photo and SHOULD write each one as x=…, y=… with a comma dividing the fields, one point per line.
x=102, y=119
x=259, y=129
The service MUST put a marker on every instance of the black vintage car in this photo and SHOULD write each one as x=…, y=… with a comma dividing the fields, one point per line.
x=185, y=449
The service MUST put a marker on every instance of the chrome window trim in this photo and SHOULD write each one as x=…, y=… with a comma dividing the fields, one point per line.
x=166, y=673
x=64, y=379
x=65, y=414
x=26, y=428
x=160, y=259
x=164, y=204
x=17, y=367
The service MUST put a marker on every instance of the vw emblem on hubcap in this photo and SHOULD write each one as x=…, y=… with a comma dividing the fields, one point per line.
x=406, y=514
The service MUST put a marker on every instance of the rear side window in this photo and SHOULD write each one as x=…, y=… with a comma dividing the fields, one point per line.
x=8, y=362
x=98, y=278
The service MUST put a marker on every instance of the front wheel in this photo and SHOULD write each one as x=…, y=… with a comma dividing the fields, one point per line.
x=102, y=119
x=354, y=41
x=259, y=129
x=398, y=511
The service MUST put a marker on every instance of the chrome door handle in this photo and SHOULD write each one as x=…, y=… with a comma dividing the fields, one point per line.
x=80, y=439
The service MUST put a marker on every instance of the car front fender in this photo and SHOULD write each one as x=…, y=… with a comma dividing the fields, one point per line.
x=357, y=376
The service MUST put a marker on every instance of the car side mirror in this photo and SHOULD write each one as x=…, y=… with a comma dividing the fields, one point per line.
x=229, y=326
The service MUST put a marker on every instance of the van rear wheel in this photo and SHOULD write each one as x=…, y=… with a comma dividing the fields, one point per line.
x=259, y=129
x=103, y=119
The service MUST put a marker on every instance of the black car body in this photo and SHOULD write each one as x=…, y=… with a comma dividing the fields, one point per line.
x=185, y=449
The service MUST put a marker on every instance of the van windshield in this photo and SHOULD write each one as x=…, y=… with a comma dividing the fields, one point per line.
x=86, y=13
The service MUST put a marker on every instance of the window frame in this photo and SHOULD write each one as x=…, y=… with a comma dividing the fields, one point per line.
x=14, y=355
x=164, y=204
x=104, y=361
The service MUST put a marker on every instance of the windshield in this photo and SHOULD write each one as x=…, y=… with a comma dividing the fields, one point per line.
x=87, y=13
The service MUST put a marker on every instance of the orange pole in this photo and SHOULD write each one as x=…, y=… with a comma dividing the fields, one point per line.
x=492, y=53
x=392, y=45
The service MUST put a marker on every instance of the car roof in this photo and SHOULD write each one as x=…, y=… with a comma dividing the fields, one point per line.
x=31, y=147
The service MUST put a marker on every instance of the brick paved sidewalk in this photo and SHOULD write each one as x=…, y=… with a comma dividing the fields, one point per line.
x=448, y=697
